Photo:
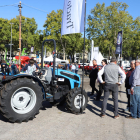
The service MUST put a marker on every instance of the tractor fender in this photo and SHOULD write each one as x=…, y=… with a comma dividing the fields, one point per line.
x=13, y=77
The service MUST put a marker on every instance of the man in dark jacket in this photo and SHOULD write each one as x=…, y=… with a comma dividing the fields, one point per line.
x=93, y=76
x=127, y=84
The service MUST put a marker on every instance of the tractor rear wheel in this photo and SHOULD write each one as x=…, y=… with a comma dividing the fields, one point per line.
x=74, y=98
x=21, y=99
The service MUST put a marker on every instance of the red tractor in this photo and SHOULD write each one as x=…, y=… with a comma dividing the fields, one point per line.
x=24, y=60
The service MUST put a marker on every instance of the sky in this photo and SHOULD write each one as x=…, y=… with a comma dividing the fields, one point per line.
x=46, y=6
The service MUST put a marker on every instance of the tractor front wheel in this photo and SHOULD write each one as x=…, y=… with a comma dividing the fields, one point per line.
x=74, y=99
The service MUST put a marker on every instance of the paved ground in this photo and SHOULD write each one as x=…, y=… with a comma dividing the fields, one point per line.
x=54, y=123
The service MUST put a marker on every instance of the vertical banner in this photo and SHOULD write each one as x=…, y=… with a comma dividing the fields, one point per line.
x=119, y=43
x=73, y=17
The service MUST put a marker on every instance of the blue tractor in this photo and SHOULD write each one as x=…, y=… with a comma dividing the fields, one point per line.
x=21, y=95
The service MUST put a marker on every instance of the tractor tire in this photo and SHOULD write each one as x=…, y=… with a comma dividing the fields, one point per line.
x=73, y=100
x=20, y=100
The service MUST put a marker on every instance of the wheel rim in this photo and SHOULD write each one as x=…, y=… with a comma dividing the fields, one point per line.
x=78, y=100
x=23, y=100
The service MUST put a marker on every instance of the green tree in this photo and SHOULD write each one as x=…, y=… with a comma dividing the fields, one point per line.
x=4, y=33
x=135, y=47
x=104, y=24
x=29, y=34
x=70, y=43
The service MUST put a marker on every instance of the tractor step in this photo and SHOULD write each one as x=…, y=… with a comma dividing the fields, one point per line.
x=49, y=95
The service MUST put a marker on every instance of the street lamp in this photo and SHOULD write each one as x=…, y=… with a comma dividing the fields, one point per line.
x=11, y=43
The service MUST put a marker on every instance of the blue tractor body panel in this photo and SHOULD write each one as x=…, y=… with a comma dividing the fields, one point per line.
x=73, y=78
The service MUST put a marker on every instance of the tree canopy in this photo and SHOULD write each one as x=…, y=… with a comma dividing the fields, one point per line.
x=70, y=43
x=104, y=24
x=29, y=33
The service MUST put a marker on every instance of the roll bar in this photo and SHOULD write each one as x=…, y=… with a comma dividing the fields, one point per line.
x=53, y=56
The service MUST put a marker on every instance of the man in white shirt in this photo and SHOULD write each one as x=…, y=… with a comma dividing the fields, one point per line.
x=111, y=72
x=73, y=68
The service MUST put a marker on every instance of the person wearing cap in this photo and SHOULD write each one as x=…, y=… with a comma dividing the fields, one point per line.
x=93, y=76
x=30, y=67
x=111, y=73
x=101, y=86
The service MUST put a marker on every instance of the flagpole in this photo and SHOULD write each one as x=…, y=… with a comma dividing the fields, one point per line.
x=83, y=60
x=121, y=48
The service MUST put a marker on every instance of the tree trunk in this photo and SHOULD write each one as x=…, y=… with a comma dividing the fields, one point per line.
x=109, y=53
x=63, y=48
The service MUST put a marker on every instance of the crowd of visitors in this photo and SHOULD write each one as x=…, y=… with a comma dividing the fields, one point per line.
x=108, y=78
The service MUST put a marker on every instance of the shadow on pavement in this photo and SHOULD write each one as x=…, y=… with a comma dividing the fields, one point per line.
x=110, y=107
x=46, y=104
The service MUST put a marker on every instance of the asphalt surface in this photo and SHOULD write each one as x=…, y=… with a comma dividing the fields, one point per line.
x=55, y=123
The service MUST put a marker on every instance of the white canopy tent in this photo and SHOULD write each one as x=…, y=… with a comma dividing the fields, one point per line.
x=50, y=58
x=98, y=56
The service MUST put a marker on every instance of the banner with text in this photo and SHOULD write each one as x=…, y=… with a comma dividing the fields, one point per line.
x=73, y=17
x=119, y=43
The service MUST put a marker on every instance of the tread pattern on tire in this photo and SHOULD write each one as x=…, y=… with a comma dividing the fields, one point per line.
x=4, y=108
x=70, y=100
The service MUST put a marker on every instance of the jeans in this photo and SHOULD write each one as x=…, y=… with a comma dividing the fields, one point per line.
x=135, y=103
x=73, y=70
x=76, y=71
x=107, y=89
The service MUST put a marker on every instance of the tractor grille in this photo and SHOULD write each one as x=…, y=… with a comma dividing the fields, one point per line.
x=70, y=75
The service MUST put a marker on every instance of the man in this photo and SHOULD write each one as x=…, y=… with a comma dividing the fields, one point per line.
x=93, y=76
x=76, y=68
x=111, y=72
x=101, y=86
x=135, y=92
x=30, y=67
x=68, y=65
x=73, y=68
x=127, y=85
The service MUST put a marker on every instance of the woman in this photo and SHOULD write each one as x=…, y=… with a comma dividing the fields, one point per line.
x=101, y=86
